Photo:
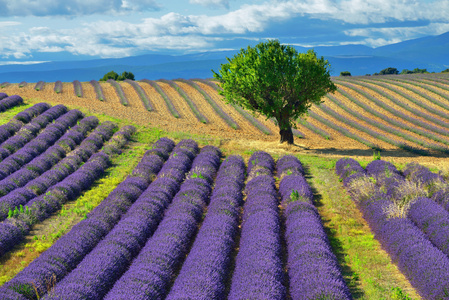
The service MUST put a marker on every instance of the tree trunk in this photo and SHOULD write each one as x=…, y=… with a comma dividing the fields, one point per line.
x=286, y=135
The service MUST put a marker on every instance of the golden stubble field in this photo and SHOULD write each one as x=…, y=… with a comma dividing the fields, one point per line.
x=248, y=136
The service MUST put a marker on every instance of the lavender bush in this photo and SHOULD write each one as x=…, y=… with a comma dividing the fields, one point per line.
x=58, y=87
x=11, y=101
x=86, y=234
x=119, y=90
x=78, y=88
x=28, y=114
x=142, y=94
x=23, y=84
x=204, y=273
x=3, y=95
x=426, y=267
x=258, y=272
x=98, y=90
x=313, y=269
x=39, y=85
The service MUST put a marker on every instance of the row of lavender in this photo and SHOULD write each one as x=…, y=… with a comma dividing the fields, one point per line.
x=49, y=160
x=134, y=244
x=408, y=213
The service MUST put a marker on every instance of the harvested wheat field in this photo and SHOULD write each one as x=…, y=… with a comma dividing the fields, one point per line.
x=412, y=112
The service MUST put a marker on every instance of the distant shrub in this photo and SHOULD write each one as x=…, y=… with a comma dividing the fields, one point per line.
x=113, y=75
x=389, y=71
x=345, y=73
x=415, y=71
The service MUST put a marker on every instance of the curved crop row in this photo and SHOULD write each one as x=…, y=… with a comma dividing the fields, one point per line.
x=11, y=101
x=73, y=179
x=212, y=103
x=343, y=131
x=39, y=85
x=374, y=133
x=189, y=101
x=258, y=272
x=70, y=249
x=40, y=143
x=98, y=90
x=240, y=110
x=392, y=121
x=58, y=87
x=203, y=275
x=109, y=259
x=142, y=94
x=400, y=82
x=78, y=88
x=164, y=96
x=9, y=129
x=152, y=271
x=426, y=267
x=119, y=90
x=30, y=130
x=313, y=269
x=404, y=116
x=44, y=162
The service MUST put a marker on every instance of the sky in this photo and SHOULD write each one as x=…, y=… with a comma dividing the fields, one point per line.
x=36, y=30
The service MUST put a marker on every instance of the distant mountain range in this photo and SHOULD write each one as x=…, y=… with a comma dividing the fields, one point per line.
x=429, y=53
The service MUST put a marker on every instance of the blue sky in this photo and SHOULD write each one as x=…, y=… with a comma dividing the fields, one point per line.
x=33, y=30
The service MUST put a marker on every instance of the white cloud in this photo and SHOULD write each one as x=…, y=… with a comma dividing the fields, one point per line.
x=212, y=3
x=73, y=7
x=175, y=31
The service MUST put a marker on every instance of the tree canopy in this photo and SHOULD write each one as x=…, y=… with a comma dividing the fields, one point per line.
x=276, y=81
x=113, y=75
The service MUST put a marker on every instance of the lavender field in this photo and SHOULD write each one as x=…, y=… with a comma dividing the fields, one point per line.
x=93, y=207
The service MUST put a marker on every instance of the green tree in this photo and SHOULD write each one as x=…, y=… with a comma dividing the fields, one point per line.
x=445, y=71
x=389, y=71
x=109, y=75
x=345, y=73
x=126, y=75
x=275, y=81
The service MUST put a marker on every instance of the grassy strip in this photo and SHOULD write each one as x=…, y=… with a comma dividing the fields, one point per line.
x=119, y=91
x=344, y=131
x=58, y=87
x=22, y=84
x=397, y=112
x=164, y=96
x=367, y=269
x=373, y=133
x=78, y=88
x=394, y=82
x=4, y=84
x=240, y=110
x=189, y=101
x=39, y=86
x=142, y=94
x=98, y=90
x=212, y=103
